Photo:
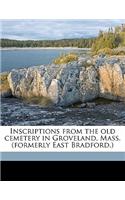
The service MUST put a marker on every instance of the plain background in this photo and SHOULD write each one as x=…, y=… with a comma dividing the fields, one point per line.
x=62, y=9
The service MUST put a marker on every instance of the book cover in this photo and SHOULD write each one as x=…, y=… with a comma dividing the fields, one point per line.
x=62, y=86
